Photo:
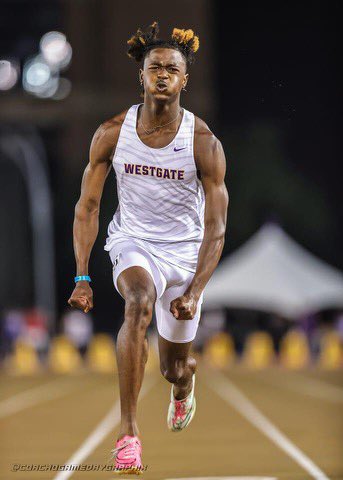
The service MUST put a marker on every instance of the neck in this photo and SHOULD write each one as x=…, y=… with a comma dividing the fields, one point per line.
x=154, y=112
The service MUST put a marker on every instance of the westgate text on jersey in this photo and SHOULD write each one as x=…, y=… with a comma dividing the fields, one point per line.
x=151, y=171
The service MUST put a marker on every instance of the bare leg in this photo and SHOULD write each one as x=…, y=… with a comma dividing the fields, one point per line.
x=177, y=366
x=137, y=287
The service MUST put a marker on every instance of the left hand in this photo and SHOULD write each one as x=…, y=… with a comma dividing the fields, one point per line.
x=184, y=307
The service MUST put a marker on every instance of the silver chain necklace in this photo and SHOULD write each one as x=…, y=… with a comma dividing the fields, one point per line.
x=148, y=132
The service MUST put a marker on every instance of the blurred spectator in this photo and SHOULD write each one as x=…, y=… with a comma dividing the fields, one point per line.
x=339, y=324
x=13, y=325
x=78, y=328
x=277, y=326
x=35, y=331
x=211, y=322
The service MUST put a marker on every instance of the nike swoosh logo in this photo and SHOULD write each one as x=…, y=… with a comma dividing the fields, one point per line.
x=178, y=149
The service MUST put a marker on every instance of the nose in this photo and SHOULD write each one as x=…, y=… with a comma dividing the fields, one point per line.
x=162, y=73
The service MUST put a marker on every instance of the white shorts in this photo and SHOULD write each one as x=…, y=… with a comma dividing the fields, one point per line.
x=170, y=282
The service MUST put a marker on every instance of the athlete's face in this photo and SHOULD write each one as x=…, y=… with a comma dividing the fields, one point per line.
x=164, y=73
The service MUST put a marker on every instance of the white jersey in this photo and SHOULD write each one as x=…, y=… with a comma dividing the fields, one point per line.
x=161, y=199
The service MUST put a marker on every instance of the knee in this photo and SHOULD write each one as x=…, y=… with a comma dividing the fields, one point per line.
x=138, y=308
x=172, y=372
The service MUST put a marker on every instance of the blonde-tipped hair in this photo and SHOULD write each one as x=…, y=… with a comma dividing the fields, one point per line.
x=181, y=39
x=186, y=37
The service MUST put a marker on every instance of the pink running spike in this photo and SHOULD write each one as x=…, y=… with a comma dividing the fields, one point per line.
x=127, y=456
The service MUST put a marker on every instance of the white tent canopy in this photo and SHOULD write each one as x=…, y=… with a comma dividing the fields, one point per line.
x=272, y=273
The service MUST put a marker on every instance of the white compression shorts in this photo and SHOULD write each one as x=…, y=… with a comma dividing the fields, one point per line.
x=170, y=282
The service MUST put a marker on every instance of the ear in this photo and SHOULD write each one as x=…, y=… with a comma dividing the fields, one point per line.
x=185, y=80
x=141, y=76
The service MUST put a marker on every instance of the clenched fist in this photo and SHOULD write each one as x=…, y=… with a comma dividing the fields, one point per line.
x=82, y=297
x=184, y=307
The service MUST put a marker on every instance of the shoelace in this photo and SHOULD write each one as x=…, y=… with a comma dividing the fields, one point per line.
x=130, y=451
x=180, y=408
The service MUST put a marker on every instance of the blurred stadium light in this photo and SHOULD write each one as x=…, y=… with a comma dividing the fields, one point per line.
x=55, y=49
x=38, y=78
x=63, y=90
x=8, y=74
x=36, y=74
x=41, y=73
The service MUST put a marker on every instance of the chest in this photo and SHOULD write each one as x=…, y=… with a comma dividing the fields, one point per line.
x=172, y=164
x=158, y=139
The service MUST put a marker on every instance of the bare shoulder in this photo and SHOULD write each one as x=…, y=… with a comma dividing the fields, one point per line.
x=206, y=144
x=110, y=129
x=105, y=139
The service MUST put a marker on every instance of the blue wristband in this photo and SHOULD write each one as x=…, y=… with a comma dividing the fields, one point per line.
x=82, y=277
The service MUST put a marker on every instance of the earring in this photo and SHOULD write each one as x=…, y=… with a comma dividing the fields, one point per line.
x=184, y=89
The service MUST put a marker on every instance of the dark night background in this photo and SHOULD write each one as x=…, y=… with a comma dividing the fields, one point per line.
x=270, y=75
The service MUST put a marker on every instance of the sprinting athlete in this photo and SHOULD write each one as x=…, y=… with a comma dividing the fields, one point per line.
x=167, y=235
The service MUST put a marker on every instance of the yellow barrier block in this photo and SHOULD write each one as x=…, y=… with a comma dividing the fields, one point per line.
x=101, y=355
x=294, y=350
x=153, y=361
x=24, y=360
x=219, y=351
x=331, y=355
x=63, y=356
x=258, y=350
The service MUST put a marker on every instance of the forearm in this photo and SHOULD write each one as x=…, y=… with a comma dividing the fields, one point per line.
x=208, y=258
x=85, y=231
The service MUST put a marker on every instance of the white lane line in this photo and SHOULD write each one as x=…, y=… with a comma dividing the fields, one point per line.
x=311, y=387
x=34, y=396
x=107, y=424
x=232, y=395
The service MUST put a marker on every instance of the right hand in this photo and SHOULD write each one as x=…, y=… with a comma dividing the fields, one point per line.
x=82, y=297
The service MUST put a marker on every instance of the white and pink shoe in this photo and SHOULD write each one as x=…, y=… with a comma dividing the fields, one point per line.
x=127, y=455
x=181, y=412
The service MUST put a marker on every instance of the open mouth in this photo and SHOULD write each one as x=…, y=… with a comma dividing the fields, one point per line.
x=161, y=86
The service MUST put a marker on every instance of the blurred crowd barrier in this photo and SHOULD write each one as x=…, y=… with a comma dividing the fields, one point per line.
x=63, y=357
x=77, y=348
x=258, y=353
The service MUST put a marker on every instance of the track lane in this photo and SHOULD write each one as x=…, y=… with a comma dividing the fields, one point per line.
x=99, y=434
x=48, y=433
x=12, y=385
x=219, y=442
x=234, y=396
x=314, y=425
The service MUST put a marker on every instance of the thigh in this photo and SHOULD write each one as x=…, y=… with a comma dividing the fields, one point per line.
x=135, y=268
x=169, y=328
x=134, y=281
